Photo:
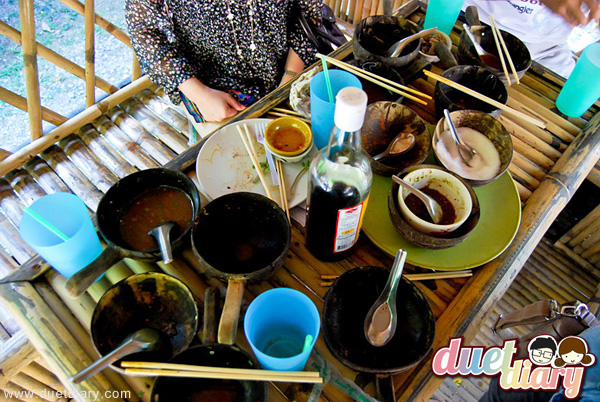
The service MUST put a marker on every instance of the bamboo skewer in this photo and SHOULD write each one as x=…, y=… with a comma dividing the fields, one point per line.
x=497, y=35
x=279, y=114
x=374, y=78
x=184, y=370
x=282, y=191
x=484, y=98
x=287, y=111
x=247, y=140
x=501, y=39
x=415, y=277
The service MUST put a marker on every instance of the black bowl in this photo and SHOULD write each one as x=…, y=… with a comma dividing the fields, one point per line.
x=476, y=78
x=483, y=34
x=374, y=35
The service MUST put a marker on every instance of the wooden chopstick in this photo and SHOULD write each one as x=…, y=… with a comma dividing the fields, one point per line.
x=416, y=277
x=510, y=62
x=287, y=111
x=374, y=78
x=223, y=376
x=496, y=34
x=247, y=140
x=279, y=114
x=484, y=98
x=282, y=191
x=211, y=369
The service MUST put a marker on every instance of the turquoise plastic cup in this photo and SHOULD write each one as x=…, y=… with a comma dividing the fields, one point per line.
x=68, y=214
x=442, y=14
x=582, y=88
x=321, y=110
x=276, y=325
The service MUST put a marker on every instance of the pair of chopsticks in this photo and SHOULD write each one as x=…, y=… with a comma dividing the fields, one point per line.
x=282, y=191
x=485, y=99
x=501, y=46
x=222, y=373
x=412, y=277
x=249, y=144
x=281, y=112
x=378, y=80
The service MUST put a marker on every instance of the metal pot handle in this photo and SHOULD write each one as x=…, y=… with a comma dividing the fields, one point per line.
x=384, y=386
x=82, y=280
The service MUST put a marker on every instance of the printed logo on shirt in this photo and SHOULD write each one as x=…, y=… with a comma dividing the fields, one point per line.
x=550, y=364
x=524, y=9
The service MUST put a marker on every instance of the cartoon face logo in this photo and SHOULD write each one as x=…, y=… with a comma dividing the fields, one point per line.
x=573, y=350
x=542, y=350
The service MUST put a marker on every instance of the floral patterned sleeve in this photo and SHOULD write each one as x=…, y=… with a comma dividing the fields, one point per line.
x=155, y=44
x=312, y=10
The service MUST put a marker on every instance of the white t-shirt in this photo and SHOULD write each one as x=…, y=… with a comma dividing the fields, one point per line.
x=543, y=32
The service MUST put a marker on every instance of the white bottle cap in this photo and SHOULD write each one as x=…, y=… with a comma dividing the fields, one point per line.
x=350, y=108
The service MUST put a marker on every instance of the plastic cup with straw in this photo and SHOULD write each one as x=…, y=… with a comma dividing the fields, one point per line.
x=58, y=226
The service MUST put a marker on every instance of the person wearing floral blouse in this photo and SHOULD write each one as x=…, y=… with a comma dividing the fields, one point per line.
x=218, y=55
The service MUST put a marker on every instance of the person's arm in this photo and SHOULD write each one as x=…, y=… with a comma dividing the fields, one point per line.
x=570, y=10
x=293, y=66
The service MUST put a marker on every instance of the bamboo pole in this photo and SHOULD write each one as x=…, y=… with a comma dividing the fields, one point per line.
x=17, y=353
x=36, y=387
x=25, y=186
x=34, y=106
x=72, y=176
x=87, y=116
x=55, y=58
x=23, y=393
x=528, y=166
x=526, y=151
x=166, y=111
x=136, y=69
x=90, y=70
x=10, y=203
x=134, y=130
x=4, y=154
x=7, y=264
x=572, y=236
x=105, y=152
x=21, y=103
x=87, y=162
x=34, y=370
x=11, y=240
x=131, y=151
x=101, y=22
x=45, y=176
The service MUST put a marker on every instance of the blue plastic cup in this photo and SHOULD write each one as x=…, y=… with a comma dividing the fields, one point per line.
x=321, y=110
x=68, y=214
x=276, y=325
x=582, y=88
x=442, y=14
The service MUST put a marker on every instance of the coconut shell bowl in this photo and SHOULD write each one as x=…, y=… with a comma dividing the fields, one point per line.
x=383, y=122
x=424, y=240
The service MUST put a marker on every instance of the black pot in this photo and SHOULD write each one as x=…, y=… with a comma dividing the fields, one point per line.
x=238, y=238
x=346, y=305
x=110, y=212
x=150, y=300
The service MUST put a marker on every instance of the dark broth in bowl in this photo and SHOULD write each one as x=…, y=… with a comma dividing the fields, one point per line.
x=418, y=208
x=150, y=209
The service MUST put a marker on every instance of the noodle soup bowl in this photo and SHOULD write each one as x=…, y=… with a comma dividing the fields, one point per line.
x=484, y=124
x=451, y=193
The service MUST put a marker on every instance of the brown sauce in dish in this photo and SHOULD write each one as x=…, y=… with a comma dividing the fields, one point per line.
x=417, y=207
x=491, y=60
x=288, y=139
x=224, y=391
x=150, y=209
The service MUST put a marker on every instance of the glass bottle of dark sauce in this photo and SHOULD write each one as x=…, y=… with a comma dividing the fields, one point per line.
x=340, y=182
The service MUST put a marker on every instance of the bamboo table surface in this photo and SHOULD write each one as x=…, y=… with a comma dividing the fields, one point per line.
x=549, y=165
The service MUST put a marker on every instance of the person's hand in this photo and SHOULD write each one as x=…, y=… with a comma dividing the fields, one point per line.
x=214, y=105
x=570, y=10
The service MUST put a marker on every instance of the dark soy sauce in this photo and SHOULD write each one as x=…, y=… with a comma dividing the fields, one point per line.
x=321, y=218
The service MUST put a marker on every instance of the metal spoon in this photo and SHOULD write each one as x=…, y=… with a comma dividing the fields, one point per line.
x=381, y=320
x=466, y=152
x=161, y=233
x=486, y=57
x=434, y=209
x=402, y=143
x=145, y=339
x=397, y=47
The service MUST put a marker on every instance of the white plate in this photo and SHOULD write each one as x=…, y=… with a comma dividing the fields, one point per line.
x=223, y=166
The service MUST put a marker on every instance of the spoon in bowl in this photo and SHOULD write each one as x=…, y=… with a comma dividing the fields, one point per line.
x=397, y=47
x=381, y=320
x=401, y=144
x=161, y=233
x=486, y=57
x=433, y=207
x=466, y=152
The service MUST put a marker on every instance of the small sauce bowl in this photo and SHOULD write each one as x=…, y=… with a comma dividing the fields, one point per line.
x=289, y=139
x=456, y=193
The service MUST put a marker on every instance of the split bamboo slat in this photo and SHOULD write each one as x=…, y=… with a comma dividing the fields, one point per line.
x=164, y=110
